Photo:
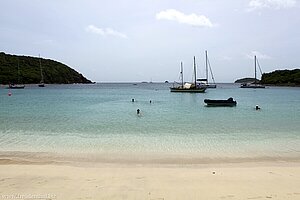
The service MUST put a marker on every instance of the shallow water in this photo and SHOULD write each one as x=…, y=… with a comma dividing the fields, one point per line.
x=101, y=119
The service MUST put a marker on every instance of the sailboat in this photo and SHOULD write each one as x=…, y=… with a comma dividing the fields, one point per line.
x=17, y=86
x=188, y=87
x=41, y=84
x=255, y=84
x=205, y=81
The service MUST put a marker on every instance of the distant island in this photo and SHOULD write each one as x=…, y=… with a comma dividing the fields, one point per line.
x=29, y=71
x=246, y=80
x=276, y=78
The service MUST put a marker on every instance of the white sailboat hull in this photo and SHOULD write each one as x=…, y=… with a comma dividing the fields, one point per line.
x=188, y=90
x=15, y=86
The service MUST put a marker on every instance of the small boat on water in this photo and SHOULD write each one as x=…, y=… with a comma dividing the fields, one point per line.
x=228, y=102
x=204, y=81
x=16, y=86
x=255, y=84
x=188, y=87
x=41, y=84
x=252, y=85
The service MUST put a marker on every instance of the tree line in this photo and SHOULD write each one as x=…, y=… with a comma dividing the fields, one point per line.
x=27, y=70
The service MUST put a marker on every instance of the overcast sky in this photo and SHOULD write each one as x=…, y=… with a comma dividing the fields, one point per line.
x=143, y=40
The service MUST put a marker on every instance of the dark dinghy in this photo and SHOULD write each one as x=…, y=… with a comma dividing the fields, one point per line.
x=228, y=102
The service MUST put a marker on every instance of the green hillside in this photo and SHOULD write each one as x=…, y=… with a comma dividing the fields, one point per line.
x=282, y=77
x=29, y=71
x=246, y=80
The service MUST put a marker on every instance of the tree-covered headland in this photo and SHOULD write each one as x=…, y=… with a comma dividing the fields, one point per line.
x=27, y=70
x=282, y=78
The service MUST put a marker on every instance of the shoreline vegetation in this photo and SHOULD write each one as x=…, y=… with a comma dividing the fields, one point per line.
x=282, y=78
x=55, y=72
x=287, y=78
x=27, y=70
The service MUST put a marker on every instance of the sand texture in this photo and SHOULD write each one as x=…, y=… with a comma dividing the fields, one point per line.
x=157, y=182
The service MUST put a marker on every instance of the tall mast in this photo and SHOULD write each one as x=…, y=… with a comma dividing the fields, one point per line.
x=255, y=69
x=42, y=77
x=195, y=71
x=206, y=65
x=18, y=71
x=181, y=73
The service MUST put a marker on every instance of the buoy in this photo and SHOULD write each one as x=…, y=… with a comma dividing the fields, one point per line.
x=9, y=94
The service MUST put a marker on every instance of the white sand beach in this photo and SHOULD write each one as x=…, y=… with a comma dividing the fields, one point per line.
x=253, y=180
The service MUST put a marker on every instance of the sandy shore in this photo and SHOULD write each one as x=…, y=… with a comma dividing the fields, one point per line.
x=270, y=180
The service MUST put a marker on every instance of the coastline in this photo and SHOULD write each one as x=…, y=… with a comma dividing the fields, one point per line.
x=76, y=151
x=145, y=159
x=282, y=85
x=255, y=180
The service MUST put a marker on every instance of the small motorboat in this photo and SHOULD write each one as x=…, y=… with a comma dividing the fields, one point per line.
x=228, y=102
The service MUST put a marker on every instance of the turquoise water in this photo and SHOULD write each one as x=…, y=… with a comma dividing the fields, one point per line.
x=101, y=119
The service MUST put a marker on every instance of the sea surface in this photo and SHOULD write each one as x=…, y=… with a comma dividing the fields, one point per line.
x=101, y=119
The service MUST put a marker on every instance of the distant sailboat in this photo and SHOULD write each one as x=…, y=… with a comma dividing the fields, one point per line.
x=206, y=81
x=255, y=84
x=41, y=84
x=18, y=85
x=188, y=87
